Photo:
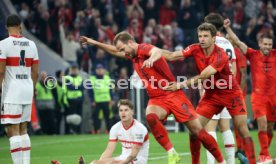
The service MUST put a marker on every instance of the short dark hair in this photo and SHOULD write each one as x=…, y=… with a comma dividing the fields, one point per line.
x=13, y=21
x=215, y=19
x=123, y=37
x=265, y=35
x=125, y=102
x=207, y=27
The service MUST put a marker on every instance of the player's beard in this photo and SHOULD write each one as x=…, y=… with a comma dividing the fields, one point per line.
x=265, y=51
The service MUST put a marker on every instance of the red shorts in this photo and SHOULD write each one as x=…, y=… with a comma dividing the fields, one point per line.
x=177, y=104
x=213, y=103
x=264, y=105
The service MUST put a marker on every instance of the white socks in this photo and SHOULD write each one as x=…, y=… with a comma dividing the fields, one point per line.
x=172, y=150
x=229, y=147
x=20, y=147
x=210, y=157
x=26, y=148
x=229, y=144
x=16, y=149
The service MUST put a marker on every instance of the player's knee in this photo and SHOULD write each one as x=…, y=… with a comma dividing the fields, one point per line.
x=152, y=118
x=243, y=131
x=262, y=125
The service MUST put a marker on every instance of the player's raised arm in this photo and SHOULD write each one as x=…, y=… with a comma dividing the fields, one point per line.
x=109, y=150
x=233, y=36
x=106, y=47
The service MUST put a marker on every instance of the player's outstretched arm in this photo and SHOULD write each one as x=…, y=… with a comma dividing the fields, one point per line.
x=109, y=150
x=157, y=53
x=206, y=73
x=233, y=36
x=106, y=47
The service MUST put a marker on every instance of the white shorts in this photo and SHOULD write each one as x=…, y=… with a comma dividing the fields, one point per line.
x=223, y=114
x=138, y=160
x=15, y=113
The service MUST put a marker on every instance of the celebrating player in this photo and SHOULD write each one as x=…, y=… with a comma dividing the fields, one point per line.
x=18, y=75
x=220, y=88
x=223, y=118
x=263, y=97
x=161, y=103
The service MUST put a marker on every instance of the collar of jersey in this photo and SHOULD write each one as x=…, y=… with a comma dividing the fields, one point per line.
x=16, y=36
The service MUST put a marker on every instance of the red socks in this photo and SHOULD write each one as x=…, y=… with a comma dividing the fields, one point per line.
x=238, y=139
x=263, y=140
x=249, y=151
x=195, y=149
x=208, y=142
x=269, y=136
x=159, y=132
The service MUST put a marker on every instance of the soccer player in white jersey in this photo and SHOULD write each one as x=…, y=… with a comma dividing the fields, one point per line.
x=222, y=119
x=133, y=136
x=18, y=74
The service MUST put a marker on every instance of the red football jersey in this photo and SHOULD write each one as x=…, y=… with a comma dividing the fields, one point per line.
x=155, y=77
x=223, y=79
x=241, y=63
x=263, y=69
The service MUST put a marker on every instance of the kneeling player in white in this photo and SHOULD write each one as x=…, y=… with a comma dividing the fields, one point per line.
x=133, y=136
x=18, y=74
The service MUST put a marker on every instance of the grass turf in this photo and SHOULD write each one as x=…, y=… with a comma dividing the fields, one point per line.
x=67, y=149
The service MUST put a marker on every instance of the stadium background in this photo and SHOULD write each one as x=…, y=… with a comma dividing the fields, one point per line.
x=167, y=24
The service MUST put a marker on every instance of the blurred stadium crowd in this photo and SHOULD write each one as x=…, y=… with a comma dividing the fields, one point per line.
x=168, y=24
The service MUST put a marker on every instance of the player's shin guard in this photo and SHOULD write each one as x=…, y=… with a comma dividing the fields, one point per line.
x=195, y=149
x=229, y=144
x=250, y=150
x=210, y=144
x=26, y=148
x=263, y=140
x=16, y=150
x=159, y=132
x=269, y=136
x=210, y=157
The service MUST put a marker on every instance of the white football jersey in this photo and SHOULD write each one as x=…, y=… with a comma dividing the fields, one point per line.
x=227, y=46
x=20, y=54
x=137, y=133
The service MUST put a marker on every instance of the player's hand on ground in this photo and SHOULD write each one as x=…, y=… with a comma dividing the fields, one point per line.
x=226, y=23
x=147, y=63
x=173, y=86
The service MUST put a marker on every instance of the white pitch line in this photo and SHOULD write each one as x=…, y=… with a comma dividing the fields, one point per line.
x=166, y=156
x=56, y=142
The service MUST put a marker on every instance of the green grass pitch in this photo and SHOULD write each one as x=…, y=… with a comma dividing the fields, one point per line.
x=67, y=149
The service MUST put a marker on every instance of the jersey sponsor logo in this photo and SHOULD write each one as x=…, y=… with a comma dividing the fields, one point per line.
x=139, y=136
x=21, y=76
x=19, y=43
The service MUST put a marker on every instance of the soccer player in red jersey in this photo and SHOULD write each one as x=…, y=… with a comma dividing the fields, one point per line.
x=220, y=88
x=161, y=103
x=263, y=97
